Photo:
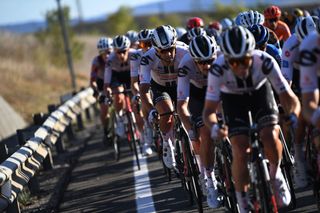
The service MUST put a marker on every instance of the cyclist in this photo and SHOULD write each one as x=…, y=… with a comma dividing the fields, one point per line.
x=290, y=70
x=133, y=37
x=117, y=77
x=191, y=23
x=240, y=78
x=105, y=48
x=159, y=69
x=309, y=74
x=144, y=38
x=261, y=35
x=272, y=16
x=192, y=84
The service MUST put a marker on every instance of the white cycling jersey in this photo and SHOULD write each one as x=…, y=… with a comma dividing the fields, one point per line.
x=189, y=73
x=264, y=67
x=290, y=56
x=151, y=67
x=135, y=63
x=310, y=63
x=115, y=65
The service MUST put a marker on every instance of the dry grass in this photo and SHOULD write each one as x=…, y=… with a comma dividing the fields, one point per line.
x=27, y=80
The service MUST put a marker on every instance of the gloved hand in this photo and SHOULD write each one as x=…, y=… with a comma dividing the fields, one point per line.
x=153, y=116
x=292, y=119
x=219, y=132
x=192, y=135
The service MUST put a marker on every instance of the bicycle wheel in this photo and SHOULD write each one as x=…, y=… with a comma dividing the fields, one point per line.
x=132, y=137
x=193, y=173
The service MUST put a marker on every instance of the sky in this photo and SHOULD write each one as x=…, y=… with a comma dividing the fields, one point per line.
x=20, y=11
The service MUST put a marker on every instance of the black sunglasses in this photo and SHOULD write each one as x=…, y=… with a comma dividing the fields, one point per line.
x=171, y=49
x=204, y=62
x=121, y=51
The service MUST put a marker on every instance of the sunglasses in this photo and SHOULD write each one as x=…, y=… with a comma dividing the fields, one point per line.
x=144, y=44
x=272, y=20
x=235, y=62
x=106, y=52
x=171, y=49
x=205, y=62
x=121, y=51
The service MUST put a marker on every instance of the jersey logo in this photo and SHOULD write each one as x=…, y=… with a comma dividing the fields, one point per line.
x=285, y=64
x=267, y=66
x=145, y=60
x=183, y=71
x=308, y=58
x=216, y=70
x=134, y=57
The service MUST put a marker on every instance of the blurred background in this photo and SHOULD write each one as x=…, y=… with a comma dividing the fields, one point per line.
x=33, y=64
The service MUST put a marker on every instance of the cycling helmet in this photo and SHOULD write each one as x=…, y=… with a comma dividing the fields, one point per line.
x=121, y=42
x=196, y=31
x=249, y=18
x=260, y=33
x=194, y=22
x=238, y=19
x=316, y=12
x=306, y=26
x=213, y=33
x=237, y=42
x=104, y=43
x=297, y=12
x=272, y=12
x=164, y=37
x=145, y=35
x=203, y=48
x=132, y=35
x=215, y=25
x=180, y=31
x=226, y=23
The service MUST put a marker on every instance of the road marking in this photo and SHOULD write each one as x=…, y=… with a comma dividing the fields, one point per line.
x=144, y=200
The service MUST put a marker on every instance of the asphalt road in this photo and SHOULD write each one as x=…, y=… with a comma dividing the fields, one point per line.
x=100, y=184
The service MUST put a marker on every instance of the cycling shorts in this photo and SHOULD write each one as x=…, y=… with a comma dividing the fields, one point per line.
x=260, y=102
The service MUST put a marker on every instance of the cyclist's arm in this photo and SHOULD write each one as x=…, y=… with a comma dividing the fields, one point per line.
x=107, y=80
x=93, y=76
x=288, y=99
x=310, y=102
x=183, y=91
x=134, y=73
x=209, y=113
x=145, y=79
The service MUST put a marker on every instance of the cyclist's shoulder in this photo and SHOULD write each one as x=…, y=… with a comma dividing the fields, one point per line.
x=291, y=44
x=311, y=42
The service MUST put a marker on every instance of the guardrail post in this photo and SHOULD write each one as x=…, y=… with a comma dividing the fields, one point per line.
x=87, y=110
x=23, y=136
x=13, y=207
x=79, y=119
x=38, y=120
x=69, y=129
x=59, y=143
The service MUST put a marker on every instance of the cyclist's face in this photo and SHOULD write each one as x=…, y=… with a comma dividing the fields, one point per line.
x=240, y=66
x=273, y=22
x=167, y=55
x=122, y=54
x=105, y=54
x=204, y=65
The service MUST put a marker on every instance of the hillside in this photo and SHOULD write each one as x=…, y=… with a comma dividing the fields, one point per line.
x=28, y=81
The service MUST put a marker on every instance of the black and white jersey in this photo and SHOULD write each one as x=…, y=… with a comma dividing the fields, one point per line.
x=264, y=67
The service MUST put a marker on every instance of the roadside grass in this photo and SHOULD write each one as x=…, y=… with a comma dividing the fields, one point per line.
x=28, y=82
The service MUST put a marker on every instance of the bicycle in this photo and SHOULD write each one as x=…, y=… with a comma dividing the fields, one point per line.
x=131, y=128
x=311, y=157
x=187, y=165
x=261, y=196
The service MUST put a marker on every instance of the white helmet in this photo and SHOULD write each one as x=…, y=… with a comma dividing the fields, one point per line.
x=196, y=31
x=306, y=25
x=237, y=42
x=249, y=18
x=132, y=35
x=144, y=35
x=121, y=42
x=203, y=48
x=104, y=43
x=226, y=23
x=164, y=37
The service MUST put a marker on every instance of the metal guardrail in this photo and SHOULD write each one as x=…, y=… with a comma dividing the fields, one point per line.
x=21, y=166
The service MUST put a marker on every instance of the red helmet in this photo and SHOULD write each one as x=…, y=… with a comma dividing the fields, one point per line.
x=215, y=25
x=272, y=12
x=194, y=22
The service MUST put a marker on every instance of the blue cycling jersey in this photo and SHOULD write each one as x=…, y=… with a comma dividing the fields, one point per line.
x=274, y=52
